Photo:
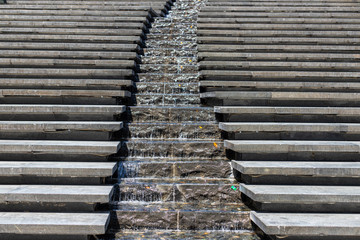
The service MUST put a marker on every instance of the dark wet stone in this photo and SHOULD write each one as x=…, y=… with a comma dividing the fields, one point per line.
x=189, y=60
x=171, y=114
x=215, y=169
x=167, y=99
x=169, y=77
x=146, y=192
x=144, y=219
x=207, y=193
x=168, y=88
x=168, y=52
x=208, y=220
x=168, y=68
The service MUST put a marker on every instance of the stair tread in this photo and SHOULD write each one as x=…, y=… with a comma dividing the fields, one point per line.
x=293, y=168
x=301, y=194
x=58, y=147
x=347, y=111
x=51, y=126
x=285, y=146
x=289, y=127
x=57, y=169
x=55, y=193
x=54, y=223
x=309, y=224
x=63, y=93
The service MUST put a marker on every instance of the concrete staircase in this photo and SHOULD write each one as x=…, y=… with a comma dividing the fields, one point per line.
x=66, y=76
x=283, y=76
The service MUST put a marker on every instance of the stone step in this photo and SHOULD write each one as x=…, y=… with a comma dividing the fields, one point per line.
x=211, y=57
x=66, y=72
x=168, y=68
x=97, y=55
x=274, y=146
x=275, y=48
x=278, y=65
x=110, y=13
x=310, y=226
x=41, y=83
x=174, y=114
x=184, y=148
x=272, y=9
x=54, y=38
x=306, y=173
x=53, y=225
x=66, y=24
x=104, y=3
x=56, y=147
x=175, y=169
x=347, y=128
x=278, y=75
x=190, y=60
x=167, y=88
x=168, y=99
x=278, y=20
x=274, y=26
x=138, y=215
x=168, y=52
x=71, y=31
x=214, y=85
x=186, y=234
x=282, y=98
x=289, y=198
x=286, y=14
x=102, y=7
x=69, y=46
x=168, y=77
x=59, y=112
x=280, y=40
x=173, y=131
x=218, y=192
x=65, y=173
x=289, y=114
x=70, y=63
x=67, y=18
x=52, y=130
x=36, y=198
x=288, y=4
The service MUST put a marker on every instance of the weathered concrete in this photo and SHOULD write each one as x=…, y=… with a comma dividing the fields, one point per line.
x=54, y=223
x=296, y=224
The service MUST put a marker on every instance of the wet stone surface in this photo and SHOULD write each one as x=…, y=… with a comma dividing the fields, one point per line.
x=175, y=175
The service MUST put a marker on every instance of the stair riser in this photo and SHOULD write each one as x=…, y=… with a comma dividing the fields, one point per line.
x=53, y=180
x=176, y=170
x=168, y=52
x=167, y=88
x=190, y=60
x=208, y=150
x=59, y=117
x=47, y=207
x=174, y=131
x=170, y=100
x=43, y=237
x=180, y=193
x=53, y=157
x=64, y=100
x=168, y=77
x=178, y=69
x=183, y=220
x=173, y=115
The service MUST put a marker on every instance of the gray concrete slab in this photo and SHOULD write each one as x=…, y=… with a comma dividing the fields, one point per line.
x=64, y=93
x=282, y=96
x=274, y=146
x=346, y=128
x=297, y=224
x=41, y=83
x=59, y=147
x=53, y=126
x=54, y=223
x=55, y=193
x=336, y=111
x=288, y=20
x=298, y=85
x=304, y=168
x=57, y=169
x=273, y=26
x=290, y=194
